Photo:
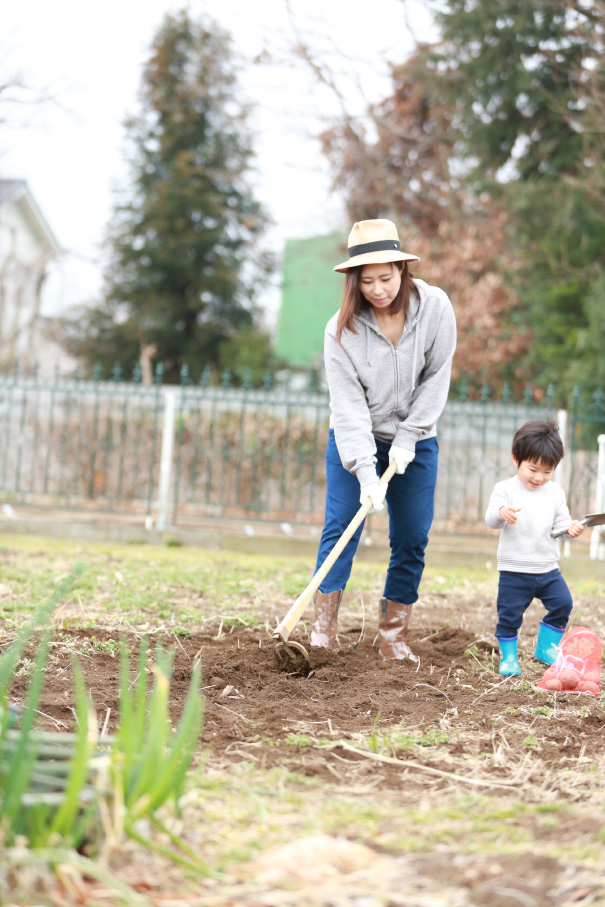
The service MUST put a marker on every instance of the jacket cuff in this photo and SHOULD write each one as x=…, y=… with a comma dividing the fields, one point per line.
x=494, y=520
x=366, y=475
x=406, y=438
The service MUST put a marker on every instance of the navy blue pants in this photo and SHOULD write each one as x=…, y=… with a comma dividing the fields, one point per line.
x=410, y=507
x=516, y=591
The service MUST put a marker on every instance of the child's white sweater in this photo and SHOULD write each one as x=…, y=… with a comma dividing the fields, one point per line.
x=528, y=546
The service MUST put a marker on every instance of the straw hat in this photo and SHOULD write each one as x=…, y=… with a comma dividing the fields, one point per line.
x=374, y=241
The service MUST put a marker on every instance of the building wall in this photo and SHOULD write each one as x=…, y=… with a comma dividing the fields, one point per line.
x=310, y=296
x=24, y=257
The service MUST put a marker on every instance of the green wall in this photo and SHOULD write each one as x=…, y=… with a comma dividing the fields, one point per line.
x=310, y=295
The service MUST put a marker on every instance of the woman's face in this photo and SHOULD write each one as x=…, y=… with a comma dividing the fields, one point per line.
x=379, y=284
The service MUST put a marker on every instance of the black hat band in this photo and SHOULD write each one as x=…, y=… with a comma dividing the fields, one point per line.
x=381, y=245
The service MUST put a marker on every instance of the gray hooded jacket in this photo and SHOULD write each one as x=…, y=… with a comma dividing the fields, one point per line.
x=392, y=393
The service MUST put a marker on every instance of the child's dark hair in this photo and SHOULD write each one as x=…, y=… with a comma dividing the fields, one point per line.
x=538, y=440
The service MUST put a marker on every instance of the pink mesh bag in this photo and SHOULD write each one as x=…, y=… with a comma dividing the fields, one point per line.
x=577, y=668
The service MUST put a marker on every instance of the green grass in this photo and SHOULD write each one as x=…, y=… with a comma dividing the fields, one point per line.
x=441, y=580
x=181, y=587
x=301, y=740
x=388, y=741
x=177, y=587
x=136, y=584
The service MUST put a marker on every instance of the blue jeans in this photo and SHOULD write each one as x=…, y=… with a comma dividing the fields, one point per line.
x=410, y=507
x=516, y=591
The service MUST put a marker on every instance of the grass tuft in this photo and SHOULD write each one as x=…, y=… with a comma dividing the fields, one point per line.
x=68, y=790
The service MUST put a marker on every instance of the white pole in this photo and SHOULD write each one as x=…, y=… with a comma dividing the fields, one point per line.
x=166, y=456
x=561, y=476
x=600, y=498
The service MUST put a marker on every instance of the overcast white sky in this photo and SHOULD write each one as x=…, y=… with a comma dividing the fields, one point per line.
x=91, y=55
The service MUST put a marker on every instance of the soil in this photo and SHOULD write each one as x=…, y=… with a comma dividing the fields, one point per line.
x=256, y=702
x=455, y=725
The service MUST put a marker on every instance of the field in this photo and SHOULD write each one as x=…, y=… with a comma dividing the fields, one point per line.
x=360, y=782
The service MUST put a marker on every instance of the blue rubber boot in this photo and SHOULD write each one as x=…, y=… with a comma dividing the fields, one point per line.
x=549, y=638
x=509, y=666
x=14, y=714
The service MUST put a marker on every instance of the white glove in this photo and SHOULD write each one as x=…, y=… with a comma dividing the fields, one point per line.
x=402, y=456
x=377, y=493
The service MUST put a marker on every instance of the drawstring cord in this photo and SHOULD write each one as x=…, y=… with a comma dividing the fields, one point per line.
x=415, y=359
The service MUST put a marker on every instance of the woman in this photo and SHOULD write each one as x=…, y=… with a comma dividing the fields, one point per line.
x=388, y=355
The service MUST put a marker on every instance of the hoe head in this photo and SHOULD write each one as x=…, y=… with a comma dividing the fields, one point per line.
x=288, y=649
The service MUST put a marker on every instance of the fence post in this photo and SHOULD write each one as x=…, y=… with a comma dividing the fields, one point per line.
x=563, y=470
x=600, y=499
x=166, y=456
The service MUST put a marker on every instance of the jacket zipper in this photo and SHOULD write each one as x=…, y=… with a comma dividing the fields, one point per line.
x=394, y=413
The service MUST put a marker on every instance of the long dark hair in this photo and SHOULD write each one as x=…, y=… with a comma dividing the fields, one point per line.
x=353, y=302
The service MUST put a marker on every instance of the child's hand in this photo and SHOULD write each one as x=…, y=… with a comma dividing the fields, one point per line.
x=509, y=514
x=575, y=529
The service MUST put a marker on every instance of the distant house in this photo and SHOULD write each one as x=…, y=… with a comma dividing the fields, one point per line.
x=310, y=296
x=27, y=246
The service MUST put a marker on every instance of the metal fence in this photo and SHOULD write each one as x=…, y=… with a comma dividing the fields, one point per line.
x=86, y=443
x=181, y=455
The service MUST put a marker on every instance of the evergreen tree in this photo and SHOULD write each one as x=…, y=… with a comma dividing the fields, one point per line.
x=515, y=71
x=524, y=80
x=185, y=262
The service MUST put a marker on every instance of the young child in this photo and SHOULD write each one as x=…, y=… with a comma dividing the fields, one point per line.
x=528, y=508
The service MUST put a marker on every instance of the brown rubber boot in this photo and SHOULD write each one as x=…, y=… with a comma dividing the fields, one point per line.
x=393, y=623
x=323, y=631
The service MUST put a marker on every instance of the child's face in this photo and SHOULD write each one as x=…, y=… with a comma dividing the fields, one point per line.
x=533, y=473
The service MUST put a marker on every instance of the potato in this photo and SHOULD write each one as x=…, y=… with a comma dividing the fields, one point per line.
x=586, y=686
x=569, y=678
x=549, y=673
x=593, y=676
x=553, y=683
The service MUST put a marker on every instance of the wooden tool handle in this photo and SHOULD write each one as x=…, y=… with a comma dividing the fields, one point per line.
x=294, y=614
